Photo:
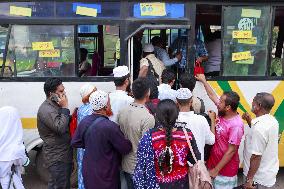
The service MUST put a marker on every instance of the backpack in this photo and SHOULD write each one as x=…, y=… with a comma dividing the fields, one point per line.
x=152, y=76
x=73, y=122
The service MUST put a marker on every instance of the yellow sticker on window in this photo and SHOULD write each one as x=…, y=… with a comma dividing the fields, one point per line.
x=241, y=55
x=20, y=11
x=49, y=53
x=248, y=61
x=251, y=13
x=42, y=46
x=86, y=11
x=239, y=34
x=153, y=9
x=251, y=41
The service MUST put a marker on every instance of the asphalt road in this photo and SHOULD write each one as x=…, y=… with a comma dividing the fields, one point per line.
x=32, y=180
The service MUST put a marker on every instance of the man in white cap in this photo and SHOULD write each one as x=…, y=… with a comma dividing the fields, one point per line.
x=196, y=123
x=104, y=143
x=150, y=64
x=119, y=98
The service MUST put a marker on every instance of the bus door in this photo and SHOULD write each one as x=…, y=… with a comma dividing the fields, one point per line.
x=170, y=34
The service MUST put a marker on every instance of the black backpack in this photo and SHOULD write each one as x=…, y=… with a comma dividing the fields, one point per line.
x=152, y=76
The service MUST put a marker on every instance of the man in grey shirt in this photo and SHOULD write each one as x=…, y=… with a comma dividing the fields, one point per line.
x=53, y=127
x=134, y=121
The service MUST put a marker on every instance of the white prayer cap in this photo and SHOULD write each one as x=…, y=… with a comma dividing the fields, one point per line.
x=184, y=94
x=98, y=99
x=148, y=48
x=120, y=71
x=86, y=90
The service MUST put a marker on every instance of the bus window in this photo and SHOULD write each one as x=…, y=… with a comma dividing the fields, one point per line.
x=41, y=51
x=245, y=43
x=277, y=63
x=3, y=38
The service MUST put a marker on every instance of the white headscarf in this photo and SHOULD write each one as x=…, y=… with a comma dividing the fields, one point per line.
x=11, y=135
x=86, y=90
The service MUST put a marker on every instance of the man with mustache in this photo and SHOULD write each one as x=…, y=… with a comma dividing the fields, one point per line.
x=224, y=160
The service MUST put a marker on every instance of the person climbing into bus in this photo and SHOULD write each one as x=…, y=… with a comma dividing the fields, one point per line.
x=137, y=52
x=84, y=66
x=104, y=144
x=261, y=163
x=224, y=160
x=165, y=88
x=53, y=127
x=162, y=54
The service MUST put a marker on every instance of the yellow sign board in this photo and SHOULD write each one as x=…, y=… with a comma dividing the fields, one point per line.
x=251, y=13
x=153, y=9
x=20, y=11
x=250, y=41
x=49, y=53
x=248, y=61
x=241, y=55
x=42, y=46
x=86, y=11
x=239, y=34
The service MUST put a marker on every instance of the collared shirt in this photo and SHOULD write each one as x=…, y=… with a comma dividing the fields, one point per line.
x=118, y=100
x=157, y=64
x=166, y=92
x=163, y=55
x=214, y=56
x=134, y=121
x=53, y=128
x=262, y=139
x=200, y=129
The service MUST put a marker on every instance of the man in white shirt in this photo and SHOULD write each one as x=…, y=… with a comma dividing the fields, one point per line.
x=196, y=123
x=261, y=162
x=165, y=89
x=119, y=98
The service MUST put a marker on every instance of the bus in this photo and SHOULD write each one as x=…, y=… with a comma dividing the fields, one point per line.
x=42, y=39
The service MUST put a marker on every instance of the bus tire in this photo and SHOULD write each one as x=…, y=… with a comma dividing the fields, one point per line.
x=43, y=173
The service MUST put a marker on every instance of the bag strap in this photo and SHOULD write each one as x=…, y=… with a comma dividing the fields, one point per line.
x=152, y=68
x=189, y=144
x=97, y=120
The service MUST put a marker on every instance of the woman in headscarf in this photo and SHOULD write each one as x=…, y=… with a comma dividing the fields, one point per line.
x=12, y=149
x=163, y=152
x=84, y=110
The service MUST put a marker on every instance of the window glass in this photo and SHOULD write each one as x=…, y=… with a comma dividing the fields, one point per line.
x=245, y=43
x=158, y=10
x=41, y=51
x=3, y=38
x=111, y=45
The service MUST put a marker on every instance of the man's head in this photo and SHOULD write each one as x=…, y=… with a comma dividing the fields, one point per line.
x=83, y=54
x=139, y=35
x=141, y=89
x=122, y=77
x=168, y=77
x=187, y=81
x=53, y=85
x=148, y=49
x=101, y=103
x=262, y=103
x=229, y=102
x=85, y=92
x=184, y=98
x=157, y=41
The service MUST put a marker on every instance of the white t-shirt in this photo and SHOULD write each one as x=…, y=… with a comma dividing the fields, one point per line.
x=262, y=139
x=118, y=100
x=166, y=92
x=199, y=128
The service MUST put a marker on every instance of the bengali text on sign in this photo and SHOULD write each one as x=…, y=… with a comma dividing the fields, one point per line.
x=153, y=9
x=251, y=13
x=49, y=53
x=251, y=41
x=241, y=55
x=248, y=61
x=42, y=46
x=20, y=11
x=86, y=11
x=238, y=34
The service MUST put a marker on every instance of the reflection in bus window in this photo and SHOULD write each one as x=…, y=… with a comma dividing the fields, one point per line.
x=41, y=51
x=277, y=63
x=245, y=43
x=3, y=38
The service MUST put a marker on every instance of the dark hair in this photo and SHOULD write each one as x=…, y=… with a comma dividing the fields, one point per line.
x=184, y=102
x=232, y=99
x=119, y=81
x=83, y=54
x=265, y=100
x=187, y=81
x=51, y=85
x=168, y=76
x=154, y=93
x=156, y=41
x=166, y=115
x=140, y=88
